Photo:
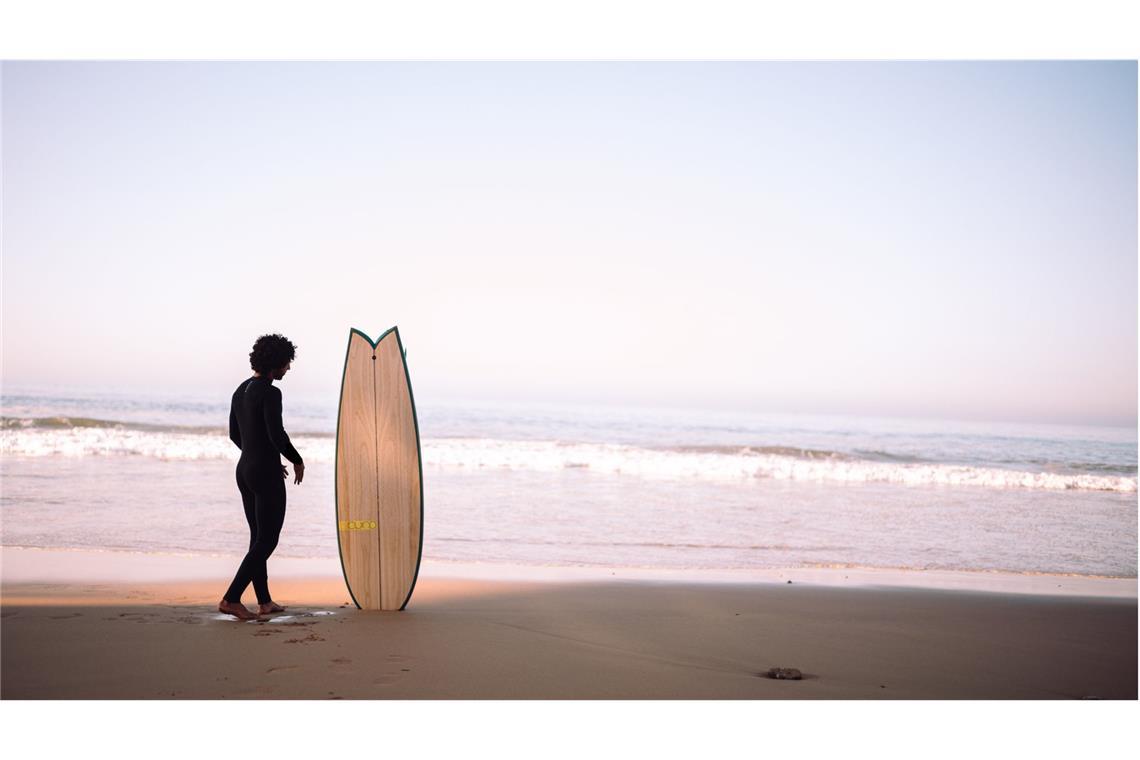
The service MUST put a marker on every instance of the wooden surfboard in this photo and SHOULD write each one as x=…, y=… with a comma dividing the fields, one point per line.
x=379, y=474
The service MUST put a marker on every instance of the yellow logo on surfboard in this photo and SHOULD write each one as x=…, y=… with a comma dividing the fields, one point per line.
x=357, y=524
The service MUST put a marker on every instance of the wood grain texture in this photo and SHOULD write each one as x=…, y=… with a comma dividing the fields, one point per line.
x=399, y=470
x=378, y=475
x=357, y=500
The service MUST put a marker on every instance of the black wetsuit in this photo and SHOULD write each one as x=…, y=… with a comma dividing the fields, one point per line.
x=256, y=428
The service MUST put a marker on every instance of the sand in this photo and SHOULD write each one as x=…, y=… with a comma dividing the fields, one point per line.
x=559, y=637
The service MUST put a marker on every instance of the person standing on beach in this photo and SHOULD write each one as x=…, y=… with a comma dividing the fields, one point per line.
x=256, y=429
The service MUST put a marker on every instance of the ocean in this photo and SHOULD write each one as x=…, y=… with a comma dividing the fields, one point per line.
x=533, y=484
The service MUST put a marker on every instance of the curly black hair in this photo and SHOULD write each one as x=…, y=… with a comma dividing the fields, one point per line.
x=271, y=352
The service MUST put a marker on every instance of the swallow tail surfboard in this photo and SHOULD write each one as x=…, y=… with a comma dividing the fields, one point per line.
x=379, y=475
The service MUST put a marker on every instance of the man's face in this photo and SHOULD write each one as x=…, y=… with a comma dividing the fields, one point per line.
x=281, y=372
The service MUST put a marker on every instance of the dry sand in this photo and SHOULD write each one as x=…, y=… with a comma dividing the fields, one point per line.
x=616, y=638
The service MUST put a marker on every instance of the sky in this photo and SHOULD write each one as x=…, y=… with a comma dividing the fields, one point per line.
x=938, y=239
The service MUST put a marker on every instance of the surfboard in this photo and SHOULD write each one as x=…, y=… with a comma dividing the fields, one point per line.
x=379, y=474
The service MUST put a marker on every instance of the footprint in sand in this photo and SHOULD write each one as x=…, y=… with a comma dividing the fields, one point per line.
x=392, y=677
x=386, y=679
x=135, y=617
x=280, y=668
x=307, y=639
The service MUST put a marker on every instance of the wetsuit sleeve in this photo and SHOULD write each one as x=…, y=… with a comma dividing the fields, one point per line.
x=276, y=429
x=235, y=431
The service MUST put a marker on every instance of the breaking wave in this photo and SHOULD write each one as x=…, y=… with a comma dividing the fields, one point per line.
x=78, y=437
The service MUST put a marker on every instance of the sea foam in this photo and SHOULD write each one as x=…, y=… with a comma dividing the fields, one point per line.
x=680, y=463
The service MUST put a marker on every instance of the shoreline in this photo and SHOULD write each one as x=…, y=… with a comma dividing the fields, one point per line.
x=20, y=565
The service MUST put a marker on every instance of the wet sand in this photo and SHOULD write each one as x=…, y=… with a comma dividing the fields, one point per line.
x=477, y=638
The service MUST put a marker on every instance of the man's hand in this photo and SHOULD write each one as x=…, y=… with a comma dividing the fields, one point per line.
x=284, y=471
x=300, y=471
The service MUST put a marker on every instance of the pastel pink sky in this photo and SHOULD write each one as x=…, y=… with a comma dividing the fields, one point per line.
x=936, y=239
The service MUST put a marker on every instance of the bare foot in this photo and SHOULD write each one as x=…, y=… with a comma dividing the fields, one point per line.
x=236, y=609
x=269, y=607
